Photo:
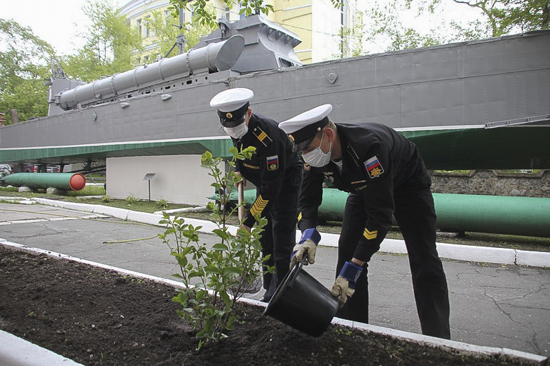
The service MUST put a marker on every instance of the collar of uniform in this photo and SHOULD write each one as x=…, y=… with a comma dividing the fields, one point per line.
x=252, y=122
x=347, y=148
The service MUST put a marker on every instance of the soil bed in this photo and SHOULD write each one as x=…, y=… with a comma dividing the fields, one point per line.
x=100, y=317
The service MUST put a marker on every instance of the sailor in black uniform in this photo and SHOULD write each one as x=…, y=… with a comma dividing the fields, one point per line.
x=276, y=171
x=384, y=175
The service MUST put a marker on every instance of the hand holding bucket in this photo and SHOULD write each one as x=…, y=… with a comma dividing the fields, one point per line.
x=306, y=247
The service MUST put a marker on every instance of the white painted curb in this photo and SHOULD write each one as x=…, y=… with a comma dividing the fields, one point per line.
x=15, y=351
x=34, y=353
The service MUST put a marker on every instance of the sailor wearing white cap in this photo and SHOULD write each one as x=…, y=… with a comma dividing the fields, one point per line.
x=385, y=176
x=276, y=171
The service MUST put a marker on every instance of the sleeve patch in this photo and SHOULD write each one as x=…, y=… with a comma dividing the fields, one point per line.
x=374, y=168
x=370, y=234
x=272, y=162
x=258, y=206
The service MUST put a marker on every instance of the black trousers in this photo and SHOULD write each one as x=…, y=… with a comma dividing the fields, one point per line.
x=415, y=215
x=279, y=236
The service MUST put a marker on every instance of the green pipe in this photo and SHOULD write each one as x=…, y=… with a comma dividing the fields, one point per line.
x=528, y=216
x=64, y=181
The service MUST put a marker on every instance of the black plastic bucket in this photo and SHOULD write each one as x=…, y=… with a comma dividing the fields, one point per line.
x=303, y=303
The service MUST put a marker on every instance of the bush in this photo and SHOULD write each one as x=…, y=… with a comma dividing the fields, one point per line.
x=162, y=204
x=130, y=200
x=214, y=278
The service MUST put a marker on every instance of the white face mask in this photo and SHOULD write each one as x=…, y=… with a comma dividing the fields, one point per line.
x=316, y=157
x=238, y=131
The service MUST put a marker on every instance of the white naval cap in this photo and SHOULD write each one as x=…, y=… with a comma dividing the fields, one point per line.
x=232, y=105
x=306, y=125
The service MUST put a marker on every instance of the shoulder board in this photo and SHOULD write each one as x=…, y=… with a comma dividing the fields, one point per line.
x=261, y=135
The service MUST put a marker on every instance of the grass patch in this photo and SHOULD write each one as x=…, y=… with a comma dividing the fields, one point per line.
x=134, y=205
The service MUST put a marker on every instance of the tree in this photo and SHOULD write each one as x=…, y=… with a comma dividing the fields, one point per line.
x=166, y=32
x=200, y=9
x=506, y=16
x=497, y=18
x=24, y=65
x=352, y=39
x=110, y=44
x=386, y=26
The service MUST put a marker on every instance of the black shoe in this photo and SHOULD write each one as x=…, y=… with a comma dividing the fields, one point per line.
x=265, y=298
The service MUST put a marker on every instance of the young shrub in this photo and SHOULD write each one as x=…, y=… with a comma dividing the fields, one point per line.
x=214, y=277
x=130, y=200
x=162, y=204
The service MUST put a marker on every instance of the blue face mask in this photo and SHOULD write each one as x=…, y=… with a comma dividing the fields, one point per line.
x=238, y=131
x=316, y=157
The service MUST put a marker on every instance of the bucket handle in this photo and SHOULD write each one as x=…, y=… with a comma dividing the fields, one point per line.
x=296, y=271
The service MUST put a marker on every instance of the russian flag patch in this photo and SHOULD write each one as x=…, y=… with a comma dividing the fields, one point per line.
x=272, y=162
x=374, y=168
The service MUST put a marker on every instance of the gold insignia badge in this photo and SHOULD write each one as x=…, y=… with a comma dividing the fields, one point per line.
x=291, y=138
x=228, y=115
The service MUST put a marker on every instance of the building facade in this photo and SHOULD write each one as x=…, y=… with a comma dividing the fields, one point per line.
x=317, y=22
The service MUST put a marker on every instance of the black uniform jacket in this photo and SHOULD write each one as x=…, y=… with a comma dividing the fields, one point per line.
x=376, y=161
x=267, y=168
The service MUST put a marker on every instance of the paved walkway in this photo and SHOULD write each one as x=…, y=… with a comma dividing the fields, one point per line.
x=492, y=304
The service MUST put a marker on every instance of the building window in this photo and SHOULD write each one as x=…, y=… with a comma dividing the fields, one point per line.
x=227, y=13
x=138, y=22
x=243, y=15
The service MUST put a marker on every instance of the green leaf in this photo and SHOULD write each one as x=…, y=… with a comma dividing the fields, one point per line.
x=220, y=247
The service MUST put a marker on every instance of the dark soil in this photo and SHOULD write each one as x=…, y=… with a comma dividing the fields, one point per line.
x=100, y=317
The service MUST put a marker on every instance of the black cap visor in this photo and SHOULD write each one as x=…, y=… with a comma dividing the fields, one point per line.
x=303, y=137
x=235, y=118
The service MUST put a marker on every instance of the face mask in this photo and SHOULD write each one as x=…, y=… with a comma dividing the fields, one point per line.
x=317, y=158
x=238, y=131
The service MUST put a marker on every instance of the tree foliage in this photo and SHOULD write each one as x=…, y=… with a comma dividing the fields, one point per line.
x=167, y=29
x=110, y=44
x=205, y=17
x=505, y=16
x=24, y=65
x=386, y=24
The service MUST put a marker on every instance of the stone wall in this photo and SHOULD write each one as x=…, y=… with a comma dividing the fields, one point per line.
x=493, y=182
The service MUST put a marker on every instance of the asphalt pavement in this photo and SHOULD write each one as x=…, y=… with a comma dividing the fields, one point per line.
x=492, y=304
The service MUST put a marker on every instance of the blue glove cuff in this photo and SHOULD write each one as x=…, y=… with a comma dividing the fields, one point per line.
x=351, y=272
x=311, y=234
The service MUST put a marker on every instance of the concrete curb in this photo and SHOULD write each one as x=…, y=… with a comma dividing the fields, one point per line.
x=34, y=354
x=15, y=351
x=448, y=251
